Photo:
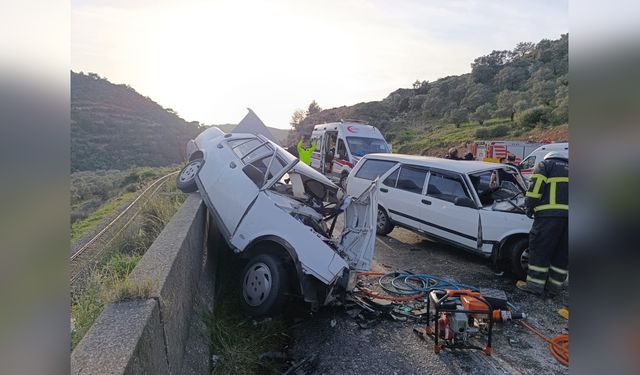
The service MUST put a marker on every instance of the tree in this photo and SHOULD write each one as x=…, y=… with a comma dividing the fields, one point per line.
x=509, y=102
x=313, y=108
x=296, y=118
x=524, y=49
x=511, y=77
x=482, y=113
x=533, y=116
x=458, y=116
x=477, y=95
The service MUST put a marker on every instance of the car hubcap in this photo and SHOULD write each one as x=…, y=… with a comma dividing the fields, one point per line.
x=382, y=220
x=190, y=171
x=257, y=284
x=524, y=260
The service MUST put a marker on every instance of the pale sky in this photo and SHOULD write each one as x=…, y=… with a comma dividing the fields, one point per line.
x=209, y=60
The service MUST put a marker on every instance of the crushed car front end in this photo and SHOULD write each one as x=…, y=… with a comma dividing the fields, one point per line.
x=286, y=215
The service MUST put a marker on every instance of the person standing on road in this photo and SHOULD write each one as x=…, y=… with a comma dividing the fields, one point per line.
x=305, y=153
x=548, y=201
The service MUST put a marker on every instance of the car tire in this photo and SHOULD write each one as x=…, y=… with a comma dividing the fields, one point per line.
x=264, y=285
x=186, y=179
x=383, y=223
x=518, y=257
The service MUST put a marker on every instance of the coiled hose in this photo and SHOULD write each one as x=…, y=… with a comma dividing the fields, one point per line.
x=405, y=286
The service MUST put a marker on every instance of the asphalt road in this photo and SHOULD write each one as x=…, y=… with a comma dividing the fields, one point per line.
x=391, y=347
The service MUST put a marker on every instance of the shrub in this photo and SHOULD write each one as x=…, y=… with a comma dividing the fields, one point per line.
x=492, y=132
x=534, y=116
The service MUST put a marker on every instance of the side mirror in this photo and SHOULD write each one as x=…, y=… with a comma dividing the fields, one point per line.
x=465, y=202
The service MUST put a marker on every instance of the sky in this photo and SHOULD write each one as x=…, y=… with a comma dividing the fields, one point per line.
x=209, y=60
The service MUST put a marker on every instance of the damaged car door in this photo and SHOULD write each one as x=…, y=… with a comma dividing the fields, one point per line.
x=232, y=202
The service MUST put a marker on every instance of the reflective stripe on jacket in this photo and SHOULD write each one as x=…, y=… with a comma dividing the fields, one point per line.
x=548, y=193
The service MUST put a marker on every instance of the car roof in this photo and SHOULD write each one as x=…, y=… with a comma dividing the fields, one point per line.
x=459, y=166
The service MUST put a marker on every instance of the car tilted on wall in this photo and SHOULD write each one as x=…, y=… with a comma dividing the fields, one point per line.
x=477, y=206
x=280, y=215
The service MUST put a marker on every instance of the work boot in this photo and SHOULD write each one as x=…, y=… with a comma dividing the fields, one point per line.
x=530, y=287
x=552, y=291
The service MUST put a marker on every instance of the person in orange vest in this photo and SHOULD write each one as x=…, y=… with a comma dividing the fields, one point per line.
x=304, y=153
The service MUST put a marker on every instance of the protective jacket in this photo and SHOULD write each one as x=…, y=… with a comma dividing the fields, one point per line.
x=305, y=154
x=548, y=194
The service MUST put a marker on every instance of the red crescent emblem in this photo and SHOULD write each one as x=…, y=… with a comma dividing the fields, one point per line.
x=352, y=129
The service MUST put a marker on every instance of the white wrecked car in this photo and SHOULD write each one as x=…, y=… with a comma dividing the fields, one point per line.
x=280, y=214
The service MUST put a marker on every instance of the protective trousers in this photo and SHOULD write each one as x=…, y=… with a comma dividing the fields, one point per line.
x=548, y=253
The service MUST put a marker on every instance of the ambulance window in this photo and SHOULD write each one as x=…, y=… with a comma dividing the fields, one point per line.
x=372, y=168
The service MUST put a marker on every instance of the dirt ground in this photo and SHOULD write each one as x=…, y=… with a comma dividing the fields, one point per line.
x=391, y=347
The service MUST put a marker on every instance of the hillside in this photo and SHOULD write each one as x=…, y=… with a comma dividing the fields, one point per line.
x=506, y=94
x=114, y=127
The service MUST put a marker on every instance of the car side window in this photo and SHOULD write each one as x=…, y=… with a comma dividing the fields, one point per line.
x=445, y=187
x=411, y=179
x=372, y=169
x=392, y=178
x=529, y=162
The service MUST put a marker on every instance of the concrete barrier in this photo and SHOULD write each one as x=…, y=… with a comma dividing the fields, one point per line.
x=149, y=335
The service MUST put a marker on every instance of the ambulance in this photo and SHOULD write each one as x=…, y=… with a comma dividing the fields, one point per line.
x=340, y=145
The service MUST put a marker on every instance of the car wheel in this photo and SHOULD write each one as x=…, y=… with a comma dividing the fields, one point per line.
x=519, y=257
x=186, y=180
x=264, y=285
x=383, y=223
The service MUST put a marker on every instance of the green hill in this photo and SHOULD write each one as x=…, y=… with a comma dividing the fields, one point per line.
x=114, y=127
x=506, y=94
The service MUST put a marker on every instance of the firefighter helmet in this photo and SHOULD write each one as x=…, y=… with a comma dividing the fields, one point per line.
x=557, y=155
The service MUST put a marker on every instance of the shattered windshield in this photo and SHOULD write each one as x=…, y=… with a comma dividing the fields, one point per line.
x=361, y=146
x=495, y=185
x=262, y=160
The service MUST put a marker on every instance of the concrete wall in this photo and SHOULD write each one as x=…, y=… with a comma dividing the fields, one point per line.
x=149, y=335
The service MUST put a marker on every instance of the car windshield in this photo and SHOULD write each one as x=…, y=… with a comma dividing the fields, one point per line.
x=495, y=184
x=361, y=146
x=262, y=159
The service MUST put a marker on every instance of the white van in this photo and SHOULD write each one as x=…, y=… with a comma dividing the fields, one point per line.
x=529, y=163
x=340, y=145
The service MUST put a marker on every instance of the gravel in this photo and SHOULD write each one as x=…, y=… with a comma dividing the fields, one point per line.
x=392, y=347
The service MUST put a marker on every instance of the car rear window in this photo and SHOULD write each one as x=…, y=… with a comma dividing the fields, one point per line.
x=372, y=168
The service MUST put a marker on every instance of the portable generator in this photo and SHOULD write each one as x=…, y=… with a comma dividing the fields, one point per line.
x=461, y=314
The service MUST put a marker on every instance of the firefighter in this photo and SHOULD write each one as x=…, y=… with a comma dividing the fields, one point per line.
x=305, y=153
x=548, y=202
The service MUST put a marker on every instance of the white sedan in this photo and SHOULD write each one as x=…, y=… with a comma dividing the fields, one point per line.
x=280, y=215
x=472, y=205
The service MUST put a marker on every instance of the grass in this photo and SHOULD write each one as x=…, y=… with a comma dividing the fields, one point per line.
x=439, y=136
x=81, y=227
x=236, y=339
x=109, y=281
